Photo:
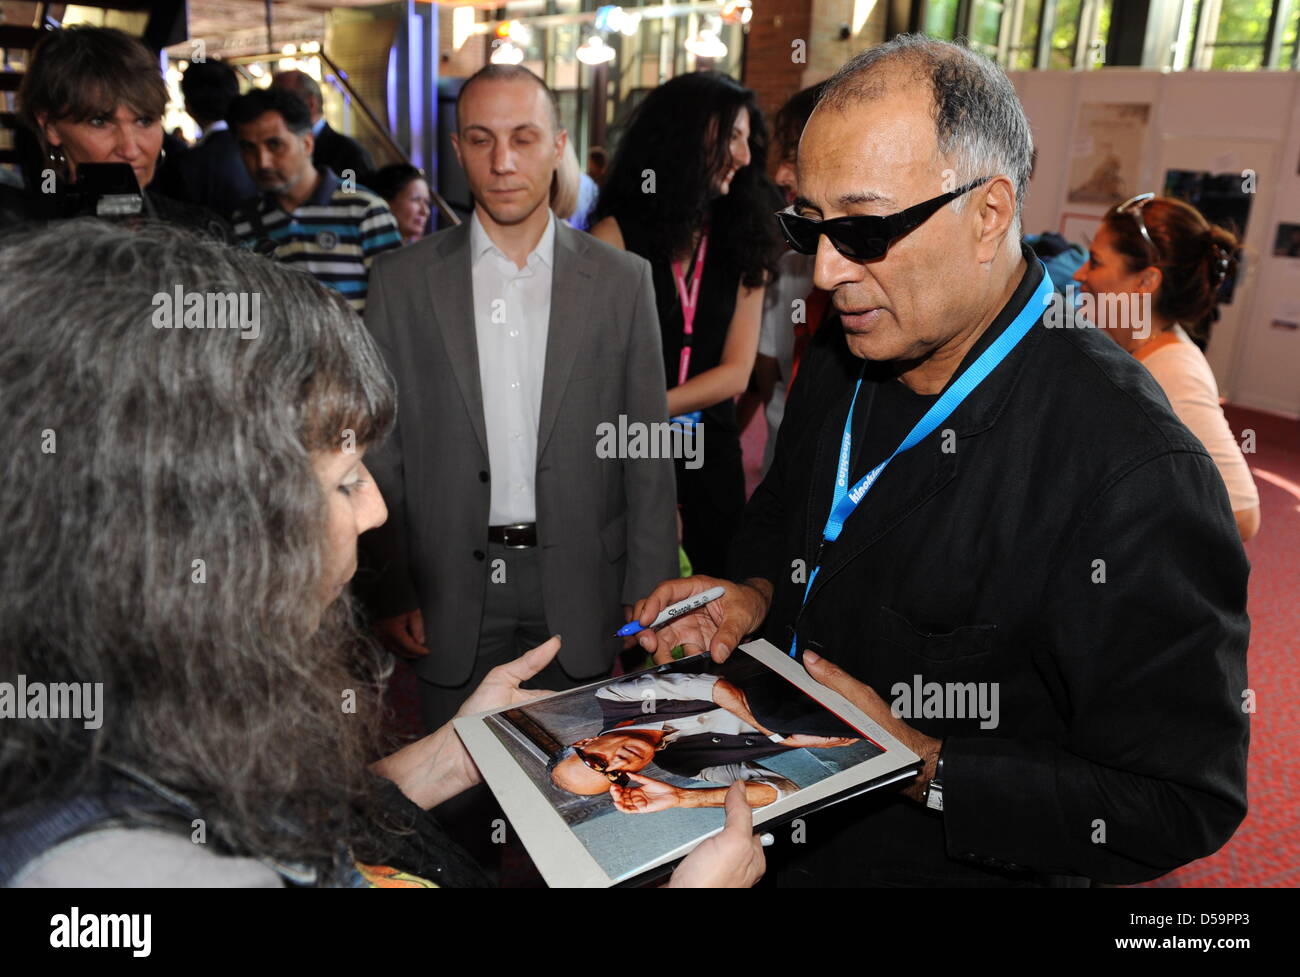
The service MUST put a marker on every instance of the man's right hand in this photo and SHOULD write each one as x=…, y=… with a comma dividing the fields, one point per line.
x=403, y=634
x=718, y=627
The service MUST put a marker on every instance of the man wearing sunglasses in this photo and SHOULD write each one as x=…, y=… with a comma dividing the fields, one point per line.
x=965, y=499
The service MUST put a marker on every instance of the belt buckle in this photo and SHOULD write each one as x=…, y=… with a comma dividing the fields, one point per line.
x=507, y=533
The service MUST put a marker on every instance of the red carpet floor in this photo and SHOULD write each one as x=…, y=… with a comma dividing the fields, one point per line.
x=1266, y=848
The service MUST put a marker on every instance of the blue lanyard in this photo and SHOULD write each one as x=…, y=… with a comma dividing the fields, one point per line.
x=846, y=500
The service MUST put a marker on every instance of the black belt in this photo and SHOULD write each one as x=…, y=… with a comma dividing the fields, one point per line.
x=519, y=536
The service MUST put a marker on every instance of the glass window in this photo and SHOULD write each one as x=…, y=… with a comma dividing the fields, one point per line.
x=1065, y=33
x=1238, y=43
x=1024, y=43
x=986, y=26
x=1103, y=32
x=1290, y=34
x=941, y=19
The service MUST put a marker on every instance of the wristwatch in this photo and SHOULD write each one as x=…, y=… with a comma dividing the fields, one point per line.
x=933, y=795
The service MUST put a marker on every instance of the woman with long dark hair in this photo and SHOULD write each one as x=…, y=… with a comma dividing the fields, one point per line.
x=1161, y=265
x=688, y=191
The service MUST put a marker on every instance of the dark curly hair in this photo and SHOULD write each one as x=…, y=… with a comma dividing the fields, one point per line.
x=669, y=133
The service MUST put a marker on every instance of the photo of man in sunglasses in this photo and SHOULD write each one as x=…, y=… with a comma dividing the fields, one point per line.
x=698, y=726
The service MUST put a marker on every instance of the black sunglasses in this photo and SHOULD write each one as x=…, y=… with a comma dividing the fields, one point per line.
x=863, y=238
x=614, y=777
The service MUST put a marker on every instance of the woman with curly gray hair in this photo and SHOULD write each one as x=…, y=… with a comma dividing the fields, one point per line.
x=185, y=427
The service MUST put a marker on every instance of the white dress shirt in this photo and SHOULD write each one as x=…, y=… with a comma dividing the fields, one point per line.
x=221, y=125
x=512, y=311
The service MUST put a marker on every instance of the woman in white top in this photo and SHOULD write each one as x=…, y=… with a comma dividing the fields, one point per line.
x=1154, y=272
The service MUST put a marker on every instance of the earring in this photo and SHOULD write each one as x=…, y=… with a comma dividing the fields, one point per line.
x=57, y=157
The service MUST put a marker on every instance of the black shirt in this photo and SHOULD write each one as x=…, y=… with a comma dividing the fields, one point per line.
x=886, y=412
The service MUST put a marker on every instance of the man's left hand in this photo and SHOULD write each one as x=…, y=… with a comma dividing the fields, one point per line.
x=866, y=699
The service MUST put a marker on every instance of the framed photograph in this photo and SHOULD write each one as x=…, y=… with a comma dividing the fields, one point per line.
x=1079, y=228
x=1223, y=200
x=614, y=782
x=1286, y=243
x=1106, y=156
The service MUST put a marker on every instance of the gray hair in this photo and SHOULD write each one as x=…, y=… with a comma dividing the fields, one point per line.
x=135, y=451
x=980, y=125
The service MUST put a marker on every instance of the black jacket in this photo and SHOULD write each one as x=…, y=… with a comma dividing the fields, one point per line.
x=1120, y=751
x=213, y=174
x=340, y=153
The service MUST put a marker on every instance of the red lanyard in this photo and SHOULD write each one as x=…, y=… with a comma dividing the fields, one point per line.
x=689, y=301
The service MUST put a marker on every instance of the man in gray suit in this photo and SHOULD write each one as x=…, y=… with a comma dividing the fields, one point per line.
x=513, y=338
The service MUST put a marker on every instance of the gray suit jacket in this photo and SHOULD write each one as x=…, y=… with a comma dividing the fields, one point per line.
x=606, y=526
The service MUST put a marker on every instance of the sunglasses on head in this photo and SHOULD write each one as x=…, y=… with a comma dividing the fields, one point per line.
x=1133, y=207
x=863, y=238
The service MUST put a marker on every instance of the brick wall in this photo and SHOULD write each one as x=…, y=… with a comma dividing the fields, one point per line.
x=770, y=68
x=471, y=56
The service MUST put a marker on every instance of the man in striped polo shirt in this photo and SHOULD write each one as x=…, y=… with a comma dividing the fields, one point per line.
x=306, y=217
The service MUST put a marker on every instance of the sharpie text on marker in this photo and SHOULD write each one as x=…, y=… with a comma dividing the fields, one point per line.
x=671, y=612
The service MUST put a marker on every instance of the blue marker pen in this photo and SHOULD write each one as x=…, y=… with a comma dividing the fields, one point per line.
x=672, y=611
